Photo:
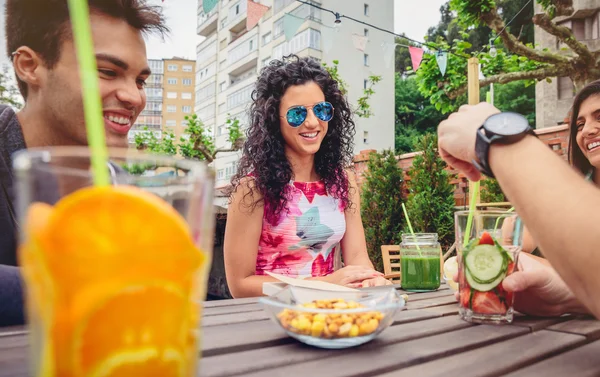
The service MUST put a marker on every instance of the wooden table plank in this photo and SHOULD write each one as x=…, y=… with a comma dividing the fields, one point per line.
x=371, y=358
x=227, y=338
x=496, y=359
x=272, y=357
x=538, y=323
x=427, y=303
x=580, y=362
x=588, y=327
x=232, y=309
x=230, y=302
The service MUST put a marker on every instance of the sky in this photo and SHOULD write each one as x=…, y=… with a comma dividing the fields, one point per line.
x=181, y=18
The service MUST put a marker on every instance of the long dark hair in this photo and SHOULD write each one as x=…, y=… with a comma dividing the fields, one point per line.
x=576, y=156
x=263, y=155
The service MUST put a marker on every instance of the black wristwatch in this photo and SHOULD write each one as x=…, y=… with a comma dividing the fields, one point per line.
x=503, y=128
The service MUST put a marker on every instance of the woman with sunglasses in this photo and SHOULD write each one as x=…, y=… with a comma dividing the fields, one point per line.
x=294, y=202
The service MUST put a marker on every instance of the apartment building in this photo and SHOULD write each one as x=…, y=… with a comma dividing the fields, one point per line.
x=170, y=97
x=553, y=100
x=230, y=58
x=178, y=95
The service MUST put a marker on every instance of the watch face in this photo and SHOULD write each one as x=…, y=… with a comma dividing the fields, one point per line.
x=506, y=124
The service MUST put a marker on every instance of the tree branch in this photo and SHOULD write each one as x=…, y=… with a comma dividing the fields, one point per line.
x=503, y=78
x=564, y=34
x=563, y=7
x=204, y=150
x=495, y=22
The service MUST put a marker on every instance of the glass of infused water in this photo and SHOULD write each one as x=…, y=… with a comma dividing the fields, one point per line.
x=489, y=255
x=420, y=256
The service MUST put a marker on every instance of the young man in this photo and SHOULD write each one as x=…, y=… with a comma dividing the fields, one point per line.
x=39, y=40
x=560, y=208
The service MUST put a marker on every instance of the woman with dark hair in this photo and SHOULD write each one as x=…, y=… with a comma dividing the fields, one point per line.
x=584, y=132
x=294, y=202
x=584, y=142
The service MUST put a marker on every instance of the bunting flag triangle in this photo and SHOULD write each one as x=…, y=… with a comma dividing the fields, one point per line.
x=255, y=13
x=389, y=52
x=442, y=60
x=208, y=5
x=416, y=56
x=360, y=42
x=291, y=24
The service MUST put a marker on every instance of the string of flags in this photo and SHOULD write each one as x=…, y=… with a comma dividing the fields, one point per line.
x=329, y=35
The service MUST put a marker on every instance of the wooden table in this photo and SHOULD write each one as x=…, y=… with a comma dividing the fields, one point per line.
x=427, y=339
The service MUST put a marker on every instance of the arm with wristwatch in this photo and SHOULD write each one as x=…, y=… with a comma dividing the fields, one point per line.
x=561, y=210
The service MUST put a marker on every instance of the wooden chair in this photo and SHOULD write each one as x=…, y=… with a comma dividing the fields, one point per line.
x=391, y=262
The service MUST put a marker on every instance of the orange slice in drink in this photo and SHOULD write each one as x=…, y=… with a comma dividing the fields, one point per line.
x=40, y=287
x=139, y=331
x=102, y=232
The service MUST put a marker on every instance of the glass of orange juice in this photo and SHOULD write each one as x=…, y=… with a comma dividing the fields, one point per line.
x=115, y=275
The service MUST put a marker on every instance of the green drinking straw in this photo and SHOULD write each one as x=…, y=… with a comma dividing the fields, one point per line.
x=92, y=105
x=411, y=229
x=471, y=213
x=498, y=219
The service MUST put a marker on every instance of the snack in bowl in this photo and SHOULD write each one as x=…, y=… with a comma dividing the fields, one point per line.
x=331, y=325
x=329, y=319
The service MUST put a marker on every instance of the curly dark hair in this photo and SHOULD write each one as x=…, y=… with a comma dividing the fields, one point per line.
x=263, y=155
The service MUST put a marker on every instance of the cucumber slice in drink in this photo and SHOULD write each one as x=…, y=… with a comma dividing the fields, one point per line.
x=485, y=263
x=484, y=287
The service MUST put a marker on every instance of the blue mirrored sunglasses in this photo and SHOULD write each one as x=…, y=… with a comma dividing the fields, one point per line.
x=296, y=115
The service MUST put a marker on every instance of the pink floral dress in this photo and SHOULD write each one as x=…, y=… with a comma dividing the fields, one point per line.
x=303, y=240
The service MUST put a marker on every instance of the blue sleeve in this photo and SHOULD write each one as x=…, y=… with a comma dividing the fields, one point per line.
x=11, y=297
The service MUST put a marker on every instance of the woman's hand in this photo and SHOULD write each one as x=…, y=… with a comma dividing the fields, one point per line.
x=373, y=282
x=350, y=276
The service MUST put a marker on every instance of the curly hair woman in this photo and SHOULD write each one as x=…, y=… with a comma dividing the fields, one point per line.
x=294, y=202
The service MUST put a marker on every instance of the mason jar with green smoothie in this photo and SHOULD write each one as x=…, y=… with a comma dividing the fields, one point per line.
x=420, y=262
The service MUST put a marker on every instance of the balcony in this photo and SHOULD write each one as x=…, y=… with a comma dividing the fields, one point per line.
x=238, y=14
x=243, y=54
x=207, y=23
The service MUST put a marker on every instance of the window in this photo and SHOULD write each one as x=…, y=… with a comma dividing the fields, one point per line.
x=308, y=12
x=222, y=86
x=278, y=28
x=205, y=92
x=565, y=88
x=172, y=68
x=241, y=97
x=237, y=9
x=309, y=38
x=366, y=32
x=222, y=130
x=186, y=109
x=184, y=123
x=172, y=81
x=224, y=23
x=171, y=109
x=187, y=82
x=366, y=137
x=265, y=61
x=365, y=83
x=154, y=93
x=366, y=9
x=172, y=95
x=188, y=68
x=366, y=60
x=221, y=174
x=186, y=95
x=242, y=50
x=278, y=5
x=230, y=170
x=266, y=38
x=171, y=123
